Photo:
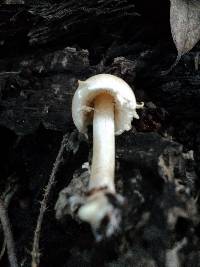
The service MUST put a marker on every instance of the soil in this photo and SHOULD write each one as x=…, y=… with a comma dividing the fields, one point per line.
x=45, y=48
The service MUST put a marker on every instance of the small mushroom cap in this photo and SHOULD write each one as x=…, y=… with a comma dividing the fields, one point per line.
x=123, y=97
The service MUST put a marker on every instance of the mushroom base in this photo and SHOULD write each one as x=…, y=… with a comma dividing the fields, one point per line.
x=102, y=210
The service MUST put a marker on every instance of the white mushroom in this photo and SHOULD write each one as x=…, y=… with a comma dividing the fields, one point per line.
x=109, y=103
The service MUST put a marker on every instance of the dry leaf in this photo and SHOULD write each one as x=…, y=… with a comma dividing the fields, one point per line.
x=185, y=24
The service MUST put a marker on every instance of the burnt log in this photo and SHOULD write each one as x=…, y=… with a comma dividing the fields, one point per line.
x=46, y=47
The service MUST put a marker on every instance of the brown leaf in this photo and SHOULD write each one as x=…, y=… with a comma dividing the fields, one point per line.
x=185, y=24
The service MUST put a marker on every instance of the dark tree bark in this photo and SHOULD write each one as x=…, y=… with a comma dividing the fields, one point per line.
x=45, y=48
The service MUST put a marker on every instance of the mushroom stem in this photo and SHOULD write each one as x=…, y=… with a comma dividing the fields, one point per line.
x=103, y=161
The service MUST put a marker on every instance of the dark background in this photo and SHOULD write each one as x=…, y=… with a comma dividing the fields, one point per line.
x=45, y=47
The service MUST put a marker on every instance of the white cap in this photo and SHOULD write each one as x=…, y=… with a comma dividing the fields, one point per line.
x=124, y=99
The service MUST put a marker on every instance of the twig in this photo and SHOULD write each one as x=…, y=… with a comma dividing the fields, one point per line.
x=3, y=248
x=7, y=196
x=35, y=249
x=8, y=235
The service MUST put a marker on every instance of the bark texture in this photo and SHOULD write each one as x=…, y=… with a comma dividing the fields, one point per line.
x=45, y=48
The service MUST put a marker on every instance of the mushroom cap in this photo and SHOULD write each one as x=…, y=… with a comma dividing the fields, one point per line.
x=123, y=96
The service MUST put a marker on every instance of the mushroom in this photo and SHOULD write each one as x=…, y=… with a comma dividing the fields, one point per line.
x=109, y=103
